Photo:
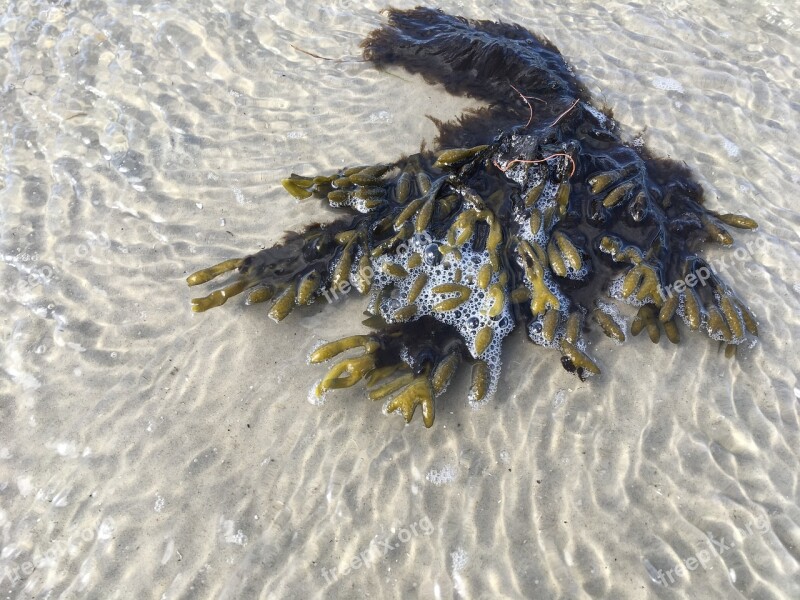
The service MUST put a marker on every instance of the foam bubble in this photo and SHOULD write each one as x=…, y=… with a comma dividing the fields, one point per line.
x=442, y=476
x=667, y=83
x=315, y=399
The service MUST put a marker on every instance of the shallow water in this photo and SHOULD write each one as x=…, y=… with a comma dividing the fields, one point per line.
x=149, y=452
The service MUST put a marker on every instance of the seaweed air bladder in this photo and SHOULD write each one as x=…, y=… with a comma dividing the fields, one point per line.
x=530, y=212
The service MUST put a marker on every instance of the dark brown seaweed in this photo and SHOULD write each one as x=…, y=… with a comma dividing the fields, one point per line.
x=530, y=211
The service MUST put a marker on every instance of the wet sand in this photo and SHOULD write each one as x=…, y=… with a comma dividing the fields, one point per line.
x=146, y=451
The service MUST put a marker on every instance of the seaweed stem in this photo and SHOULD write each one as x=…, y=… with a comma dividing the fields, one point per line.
x=564, y=114
x=541, y=160
x=526, y=100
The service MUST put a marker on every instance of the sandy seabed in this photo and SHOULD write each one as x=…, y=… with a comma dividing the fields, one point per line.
x=147, y=452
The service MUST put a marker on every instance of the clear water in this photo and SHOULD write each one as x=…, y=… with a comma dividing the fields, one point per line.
x=146, y=452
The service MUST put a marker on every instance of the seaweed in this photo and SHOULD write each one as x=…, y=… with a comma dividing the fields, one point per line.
x=531, y=211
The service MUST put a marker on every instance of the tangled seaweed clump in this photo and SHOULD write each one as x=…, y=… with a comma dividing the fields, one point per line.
x=543, y=223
